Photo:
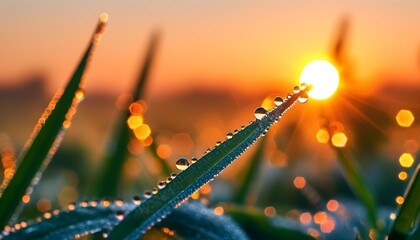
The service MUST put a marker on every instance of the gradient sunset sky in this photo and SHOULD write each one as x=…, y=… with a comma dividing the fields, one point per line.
x=245, y=44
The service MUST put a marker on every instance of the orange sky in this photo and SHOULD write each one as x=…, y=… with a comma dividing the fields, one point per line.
x=248, y=43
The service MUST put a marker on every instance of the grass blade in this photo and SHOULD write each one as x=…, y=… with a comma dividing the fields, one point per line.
x=357, y=184
x=46, y=136
x=108, y=179
x=198, y=174
x=409, y=212
x=242, y=194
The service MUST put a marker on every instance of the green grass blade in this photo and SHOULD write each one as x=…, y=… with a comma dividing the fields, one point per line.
x=258, y=226
x=108, y=179
x=46, y=138
x=198, y=174
x=409, y=212
x=190, y=221
x=357, y=184
x=243, y=193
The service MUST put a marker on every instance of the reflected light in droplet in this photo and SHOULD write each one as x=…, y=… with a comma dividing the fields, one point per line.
x=134, y=121
x=332, y=205
x=142, y=132
x=323, y=76
x=164, y=151
x=218, y=210
x=399, y=200
x=305, y=218
x=26, y=198
x=270, y=211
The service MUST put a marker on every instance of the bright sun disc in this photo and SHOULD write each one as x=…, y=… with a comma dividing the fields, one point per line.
x=323, y=76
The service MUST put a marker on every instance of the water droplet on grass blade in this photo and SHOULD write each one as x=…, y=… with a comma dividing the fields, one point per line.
x=303, y=86
x=71, y=206
x=303, y=98
x=161, y=184
x=229, y=135
x=147, y=194
x=278, y=100
x=194, y=160
x=182, y=164
x=296, y=89
x=260, y=113
x=155, y=190
x=136, y=199
x=119, y=215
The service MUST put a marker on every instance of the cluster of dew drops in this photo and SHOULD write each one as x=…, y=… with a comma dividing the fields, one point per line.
x=183, y=163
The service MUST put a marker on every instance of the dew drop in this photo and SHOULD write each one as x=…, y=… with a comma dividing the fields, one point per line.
x=136, y=199
x=260, y=113
x=303, y=98
x=104, y=235
x=242, y=127
x=229, y=135
x=105, y=202
x=161, y=184
x=182, y=164
x=119, y=215
x=194, y=160
x=155, y=190
x=93, y=203
x=169, y=179
x=173, y=175
x=83, y=204
x=71, y=206
x=147, y=194
x=289, y=96
x=296, y=89
x=235, y=131
x=218, y=143
x=303, y=86
x=119, y=202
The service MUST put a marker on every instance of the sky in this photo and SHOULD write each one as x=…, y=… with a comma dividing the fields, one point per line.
x=243, y=44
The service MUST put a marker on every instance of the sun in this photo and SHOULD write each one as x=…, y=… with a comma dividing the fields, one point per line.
x=323, y=76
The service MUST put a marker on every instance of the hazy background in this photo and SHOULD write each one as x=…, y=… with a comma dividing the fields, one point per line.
x=241, y=44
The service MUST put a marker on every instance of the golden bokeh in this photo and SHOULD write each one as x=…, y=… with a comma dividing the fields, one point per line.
x=339, y=140
x=405, y=118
